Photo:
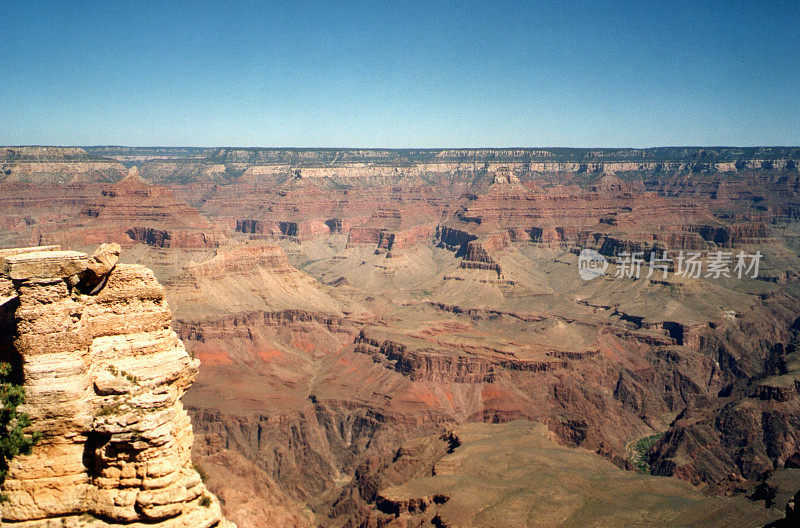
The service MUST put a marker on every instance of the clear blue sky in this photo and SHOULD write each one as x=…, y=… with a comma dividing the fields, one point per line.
x=400, y=74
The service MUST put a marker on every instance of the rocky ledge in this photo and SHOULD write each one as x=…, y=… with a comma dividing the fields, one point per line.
x=104, y=373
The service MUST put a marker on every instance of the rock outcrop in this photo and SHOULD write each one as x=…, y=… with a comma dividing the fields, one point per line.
x=104, y=373
x=245, y=278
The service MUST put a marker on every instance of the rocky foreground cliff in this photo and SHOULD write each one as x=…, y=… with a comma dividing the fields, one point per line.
x=104, y=373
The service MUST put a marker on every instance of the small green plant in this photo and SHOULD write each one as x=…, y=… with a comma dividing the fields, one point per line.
x=640, y=452
x=116, y=372
x=205, y=501
x=200, y=471
x=108, y=410
x=13, y=439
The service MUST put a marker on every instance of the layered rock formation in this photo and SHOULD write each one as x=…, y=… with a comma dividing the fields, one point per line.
x=103, y=373
x=322, y=357
x=43, y=165
x=245, y=278
x=751, y=430
x=132, y=211
x=453, y=480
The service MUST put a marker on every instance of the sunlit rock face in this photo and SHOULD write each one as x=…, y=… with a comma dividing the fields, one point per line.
x=104, y=373
x=347, y=305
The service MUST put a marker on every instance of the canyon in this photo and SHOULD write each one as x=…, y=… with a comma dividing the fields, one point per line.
x=377, y=329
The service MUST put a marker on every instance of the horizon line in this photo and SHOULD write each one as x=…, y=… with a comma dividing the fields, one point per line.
x=403, y=148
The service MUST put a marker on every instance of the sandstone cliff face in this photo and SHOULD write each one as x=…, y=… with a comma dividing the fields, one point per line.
x=245, y=278
x=134, y=211
x=104, y=374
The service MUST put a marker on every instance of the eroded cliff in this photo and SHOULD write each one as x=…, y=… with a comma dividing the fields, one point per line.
x=104, y=373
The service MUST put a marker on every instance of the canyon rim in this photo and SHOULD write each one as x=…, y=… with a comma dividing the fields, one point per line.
x=358, y=313
x=454, y=264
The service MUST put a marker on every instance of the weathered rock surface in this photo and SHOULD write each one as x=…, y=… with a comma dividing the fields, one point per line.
x=515, y=475
x=104, y=374
x=249, y=277
x=753, y=428
x=322, y=356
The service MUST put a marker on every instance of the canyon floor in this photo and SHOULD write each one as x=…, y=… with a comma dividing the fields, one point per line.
x=403, y=338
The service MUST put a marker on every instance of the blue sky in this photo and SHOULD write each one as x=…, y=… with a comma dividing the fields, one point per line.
x=400, y=74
